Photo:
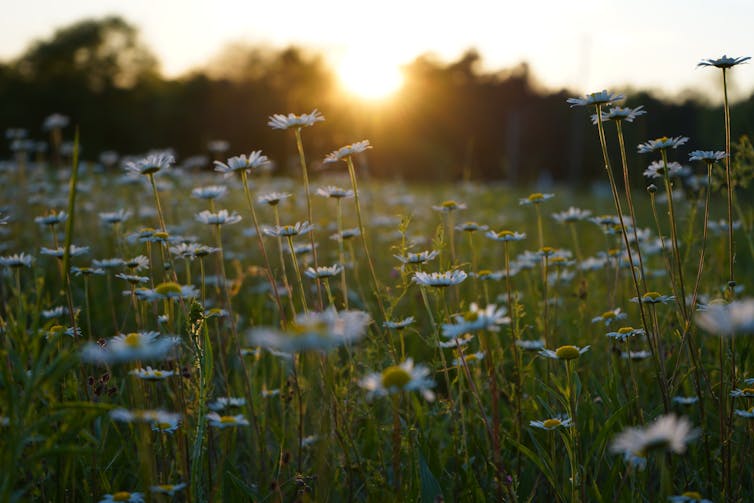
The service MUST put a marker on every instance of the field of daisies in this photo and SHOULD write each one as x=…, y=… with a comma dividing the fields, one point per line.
x=173, y=333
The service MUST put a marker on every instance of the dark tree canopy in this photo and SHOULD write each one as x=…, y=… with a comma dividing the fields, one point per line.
x=96, y=54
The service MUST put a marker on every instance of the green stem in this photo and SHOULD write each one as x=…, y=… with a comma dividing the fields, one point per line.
x=304, y=172
x=260, y=242
x=729, y=184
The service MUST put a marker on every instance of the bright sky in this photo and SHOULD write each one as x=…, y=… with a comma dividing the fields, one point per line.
x=586, y=45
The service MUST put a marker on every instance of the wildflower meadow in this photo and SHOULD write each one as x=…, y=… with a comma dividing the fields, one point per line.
x=173, y=332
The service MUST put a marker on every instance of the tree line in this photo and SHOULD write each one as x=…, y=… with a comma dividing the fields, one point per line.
x=450, y=120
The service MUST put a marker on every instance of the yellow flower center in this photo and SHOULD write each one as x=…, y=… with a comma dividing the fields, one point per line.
x=652, y=295
x=748, y=391
x=318, y=326
x=168, y=288
x=504, y=234
x=692, y=494
x=164, y=426
x=625, y=330
x=613, y=252
x=160, y=235
x=547, y=250
x=395, y=376
x=551, y=423
x=450, y=205
x=485, y=272
x=122, y=496
x=227, y=420
x=166, y=487
x=471, y=316
x=662, y=139
x=157, y=373
x=608, y=315
x=57, y=329
x=537, y=196
x=567, y=352
x=132, y=340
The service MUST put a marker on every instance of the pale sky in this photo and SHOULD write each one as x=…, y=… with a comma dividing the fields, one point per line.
x=585, y=46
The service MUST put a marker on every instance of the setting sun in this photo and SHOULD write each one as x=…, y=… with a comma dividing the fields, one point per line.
x=369, y=75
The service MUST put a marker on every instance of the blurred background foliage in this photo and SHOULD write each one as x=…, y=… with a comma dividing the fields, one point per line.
x=450, y=121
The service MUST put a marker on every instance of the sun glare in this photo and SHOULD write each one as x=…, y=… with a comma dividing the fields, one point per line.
x=369, y=76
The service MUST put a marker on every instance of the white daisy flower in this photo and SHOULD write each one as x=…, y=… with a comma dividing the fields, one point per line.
x=685, y=400
x=688, y=497
x=654, y=298
x=334, y=192
x=399, y=325
x=535, y=198
x=469, y=358
x=724, y=62
x=552, y=423
x=489, y=318
x=52, y=218
x=599, y=98
x=623, y=333
x=225, y=402
x=298, y=229
x=209, y=192
x=531, y=345
x=150, y=374
x=439, y=279
x=255, y=160
x=448, y=206
x=418, y=258
x=397, y=378
x=347, y=151
x=115, y=217
x=282, y=121
x=620, y=114
x=150, y=164
x=169, y=489
x=123, y=496
x=322, y=272
x=17, y=260
x=737, y=317
x=572, y=214
x=73, y=251
x=608, y=317
x=564, y=352
x=130, y=347
x=506, y=235
x=662, y=143
x=708, y=156
x=217, y=421
x=273, y=198
x=666, y=433
x=222, y=217
x=320, y=331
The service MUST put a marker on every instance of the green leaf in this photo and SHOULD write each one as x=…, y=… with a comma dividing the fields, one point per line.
x=247, y=489
x=430, y=487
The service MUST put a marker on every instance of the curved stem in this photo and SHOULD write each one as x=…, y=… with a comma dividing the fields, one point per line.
x=268, y=268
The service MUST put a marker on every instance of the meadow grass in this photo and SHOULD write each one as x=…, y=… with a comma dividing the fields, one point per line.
x=177, y=351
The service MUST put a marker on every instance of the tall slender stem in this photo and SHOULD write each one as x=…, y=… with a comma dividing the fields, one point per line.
x=637, y=288
x=362, y=230
x=305, y=174
x=260, y=242
x=728, y=182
